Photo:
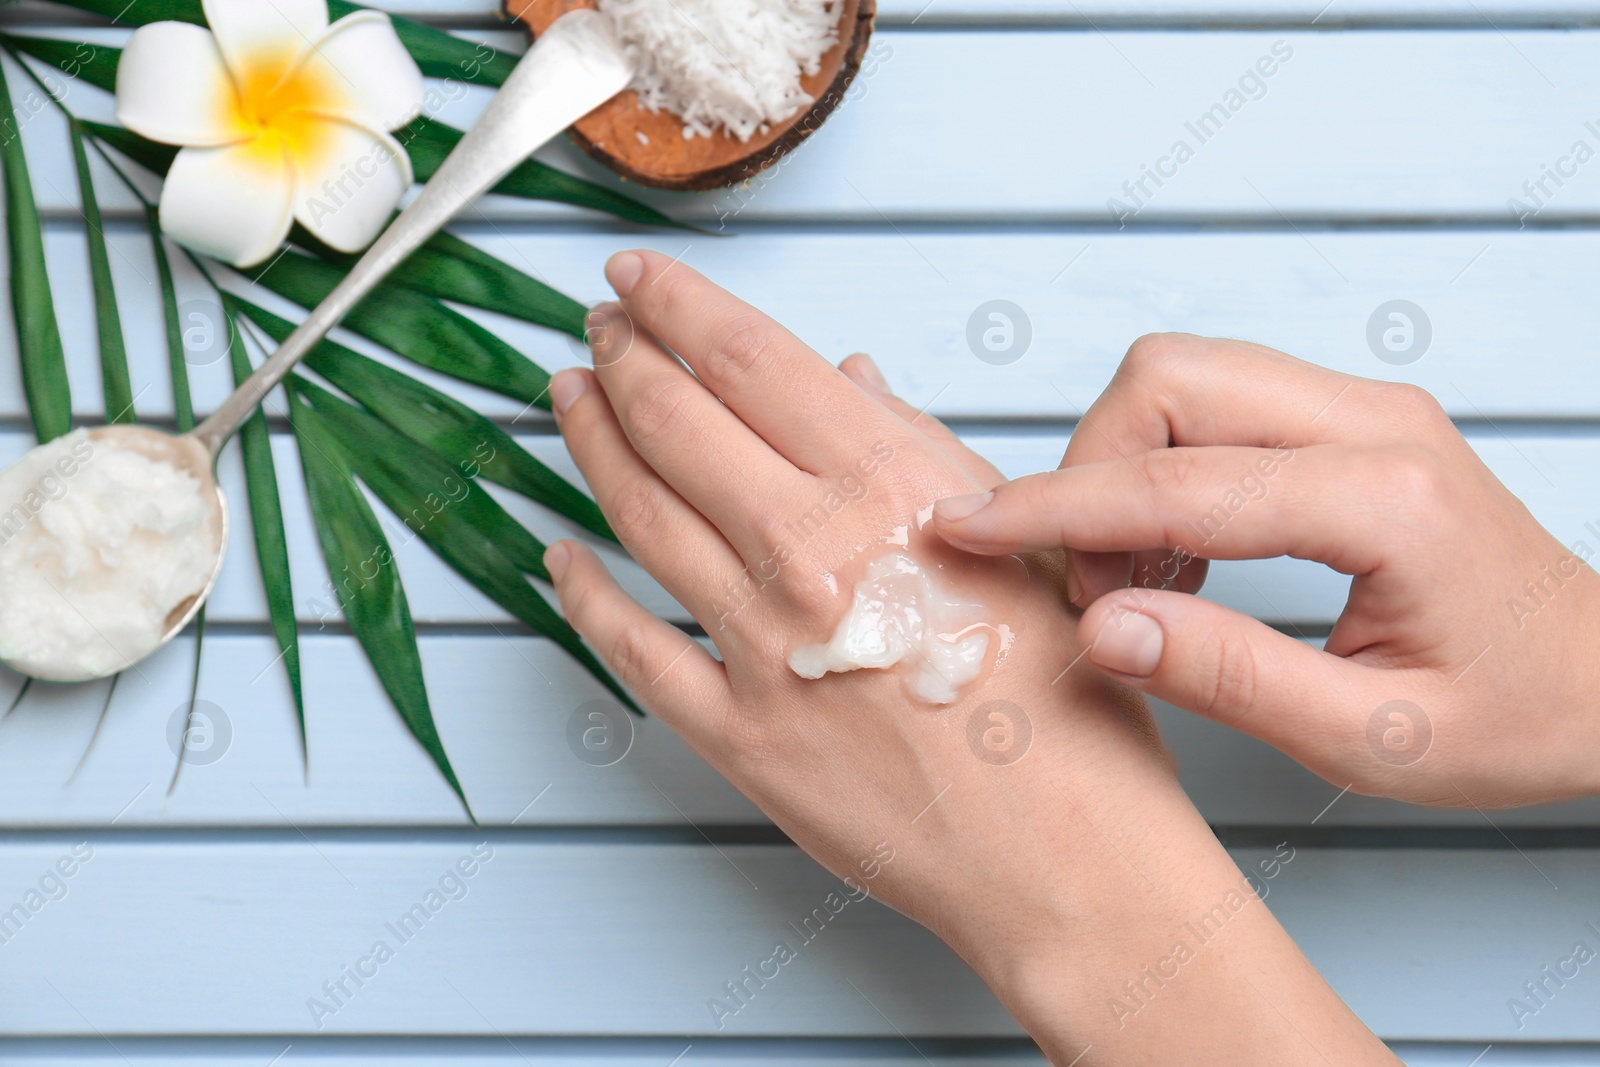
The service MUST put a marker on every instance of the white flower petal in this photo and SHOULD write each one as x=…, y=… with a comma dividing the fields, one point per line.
x=234, y=203
x=364, y=73
x=346, y=191
x=173, y=87
x=261, y=38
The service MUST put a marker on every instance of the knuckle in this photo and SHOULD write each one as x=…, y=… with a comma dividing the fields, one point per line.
x=1172, y=471
x=1150, y=356
x=629, y=652
x=636, y=510
x=1413, y=405
x=738, y=348
x=925, y=475
x=774, y=530
x=810, y=601
x=1233, y=683
x=1414, y=479
x=658, y=409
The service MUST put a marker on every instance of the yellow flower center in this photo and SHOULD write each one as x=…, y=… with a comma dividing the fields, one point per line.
x=276, y=108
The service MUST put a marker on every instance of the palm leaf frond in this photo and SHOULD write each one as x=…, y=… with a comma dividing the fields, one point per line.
x=44, y=361
x=366, y=580
x=266, y=523
x=114, y=379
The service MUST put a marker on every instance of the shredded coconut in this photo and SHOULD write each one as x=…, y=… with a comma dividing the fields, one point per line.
x=724, y=64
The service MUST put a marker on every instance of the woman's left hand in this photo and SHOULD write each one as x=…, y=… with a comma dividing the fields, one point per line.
x=1036, y=824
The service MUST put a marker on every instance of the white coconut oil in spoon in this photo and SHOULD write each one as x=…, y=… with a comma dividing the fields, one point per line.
x=99, y=544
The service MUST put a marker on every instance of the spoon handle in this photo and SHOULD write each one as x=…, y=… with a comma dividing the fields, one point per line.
x=575, y=66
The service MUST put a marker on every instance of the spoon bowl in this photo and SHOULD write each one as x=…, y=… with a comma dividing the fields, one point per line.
x=110, y=643
x=185, y=453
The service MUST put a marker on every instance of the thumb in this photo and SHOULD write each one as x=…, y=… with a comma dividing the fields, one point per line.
x=1229, y=667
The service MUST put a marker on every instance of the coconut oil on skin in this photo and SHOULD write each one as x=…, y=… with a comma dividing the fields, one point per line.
x=910, y=611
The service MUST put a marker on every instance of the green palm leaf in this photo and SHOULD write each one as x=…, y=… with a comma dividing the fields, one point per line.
x=266, y=522
x=449, y=268
x=183, y=415
x=439, y=422
x=114, y=379
x=152, y=156
x=92, y=63
x=178, y=367
x=44, y=362
x=374, y=604
x=415, y=326
x=464, y=525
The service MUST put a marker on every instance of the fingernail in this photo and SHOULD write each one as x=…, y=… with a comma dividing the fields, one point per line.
x=623, y=270
x=1128, y=642
x=556, y=559
x=953, y=508
x=870, y=373
x=565, y=388
x=1074, y=584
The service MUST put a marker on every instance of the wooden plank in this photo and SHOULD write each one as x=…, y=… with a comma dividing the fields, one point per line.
x=1212, y=13
x=1554, y=475
x=648, y=1052
x=1508, y=313
x=505, y=707
x=525, y=1052
x=1349, y=127
x=565, y=939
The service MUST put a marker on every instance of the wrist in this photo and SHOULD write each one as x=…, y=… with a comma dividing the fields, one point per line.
x=1151, y=940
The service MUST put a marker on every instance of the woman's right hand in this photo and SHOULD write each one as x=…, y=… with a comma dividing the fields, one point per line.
x=1465, y=667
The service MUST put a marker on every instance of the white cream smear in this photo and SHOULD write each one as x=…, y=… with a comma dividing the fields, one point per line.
x=98, y=545
x=902, y=612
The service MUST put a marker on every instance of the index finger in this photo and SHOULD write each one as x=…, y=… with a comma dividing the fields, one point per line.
x=1180, y=389
x=1314, y=503
x=796, y=400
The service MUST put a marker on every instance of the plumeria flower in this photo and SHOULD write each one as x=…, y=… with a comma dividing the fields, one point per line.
x=281, y=117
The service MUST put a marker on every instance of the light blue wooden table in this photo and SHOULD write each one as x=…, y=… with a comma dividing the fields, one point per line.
x=974, y=162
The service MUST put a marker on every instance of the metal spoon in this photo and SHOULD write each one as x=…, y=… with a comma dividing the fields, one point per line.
x=575, y=66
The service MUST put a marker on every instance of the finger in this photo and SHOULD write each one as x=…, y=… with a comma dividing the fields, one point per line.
x=1226, y=666
x=664, y=667
x=1215, y=503
x=697, y=446
x=860, y=369
x=793, y=398
x=675, y=543
x=1166, y=568
x=1180, y=389
x=1094, y=574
